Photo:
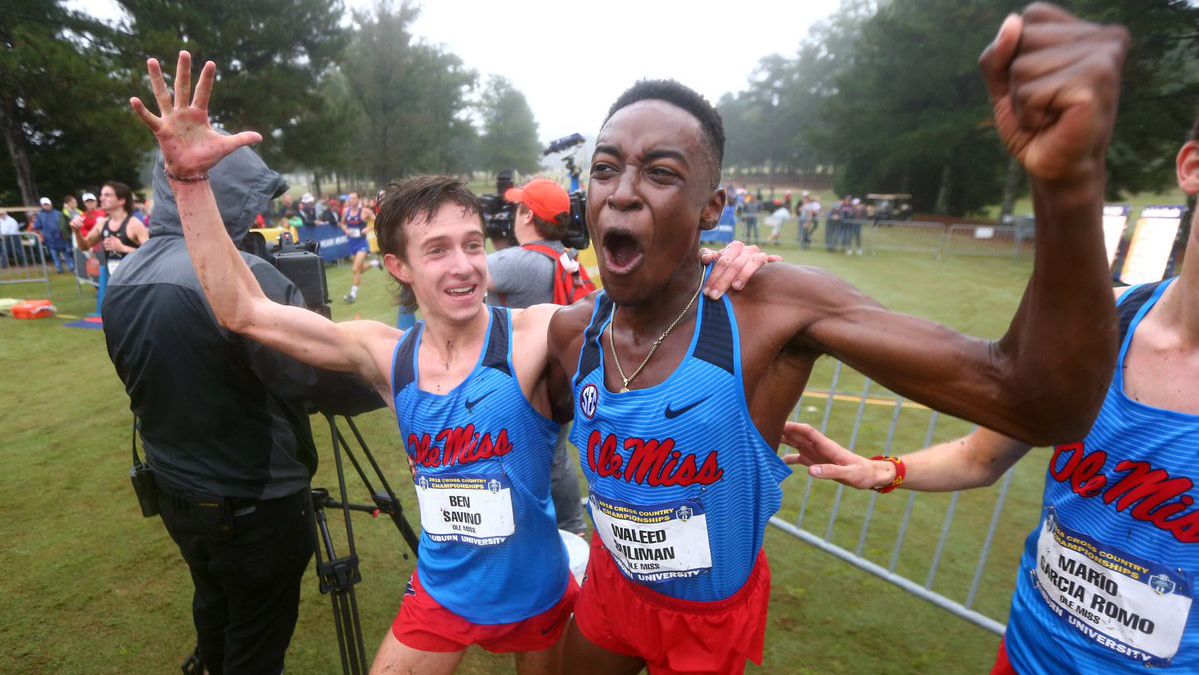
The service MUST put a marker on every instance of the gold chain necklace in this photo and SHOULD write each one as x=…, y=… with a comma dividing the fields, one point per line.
x=624, y=389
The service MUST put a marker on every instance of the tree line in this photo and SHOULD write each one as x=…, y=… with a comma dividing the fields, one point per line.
x=357, y=100
x=885, y=96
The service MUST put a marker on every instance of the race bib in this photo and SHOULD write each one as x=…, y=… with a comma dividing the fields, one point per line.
x=112, y=266
x=468, y=509
x=654, y=543
x=1134, y=607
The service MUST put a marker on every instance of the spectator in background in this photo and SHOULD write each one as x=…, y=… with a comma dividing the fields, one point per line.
x=70, y=209
x=287, y=209
x=851, y=224
x=781, y=215
x=804, y=211
x=9, y=248
x=307, y=210
x=330, y=215
x=749, y=213
x=47, y=223
x=8, y=224
x=835, y=225
x=83, y=227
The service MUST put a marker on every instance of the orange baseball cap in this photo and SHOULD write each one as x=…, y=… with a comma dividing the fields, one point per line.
x=545, y=198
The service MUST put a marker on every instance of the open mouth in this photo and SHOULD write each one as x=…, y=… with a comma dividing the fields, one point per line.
x=622, y=253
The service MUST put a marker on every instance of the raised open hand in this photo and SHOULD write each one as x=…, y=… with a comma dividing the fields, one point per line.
x=1054, y=81
x=190, y=146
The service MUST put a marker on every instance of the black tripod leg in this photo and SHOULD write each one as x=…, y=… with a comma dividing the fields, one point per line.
x=325, y=552
x=395, y=508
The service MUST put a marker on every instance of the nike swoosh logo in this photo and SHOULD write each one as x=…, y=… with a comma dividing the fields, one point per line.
x=671, y=414
x=470, y=405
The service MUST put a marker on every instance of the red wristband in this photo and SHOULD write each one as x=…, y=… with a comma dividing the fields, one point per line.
x=901, y=472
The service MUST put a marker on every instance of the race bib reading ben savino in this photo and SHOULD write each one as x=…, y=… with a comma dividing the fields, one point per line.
x=1134, y=607
x=654, y=543
x=469, y=509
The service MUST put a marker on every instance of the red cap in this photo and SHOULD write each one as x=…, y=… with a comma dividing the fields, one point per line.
x=545, y=198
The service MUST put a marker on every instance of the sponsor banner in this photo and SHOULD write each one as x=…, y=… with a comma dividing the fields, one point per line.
x=1134, y=607
x=1152, y=241
x=725, y=230
x=656, y=542
x=335, y=245
x=1115, y=223
x=468, y=509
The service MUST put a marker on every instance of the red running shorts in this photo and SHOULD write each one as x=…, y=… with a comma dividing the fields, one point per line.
x=672, y=636
x=425, y=625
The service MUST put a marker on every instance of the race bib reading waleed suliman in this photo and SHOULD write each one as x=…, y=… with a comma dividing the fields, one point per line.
x=654, y=543
x=469, y=509
x=1132, y=606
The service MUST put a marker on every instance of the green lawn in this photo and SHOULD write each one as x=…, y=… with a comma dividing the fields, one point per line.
x=89, y=586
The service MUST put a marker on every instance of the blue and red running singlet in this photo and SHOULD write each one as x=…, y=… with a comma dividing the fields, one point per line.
x=682, y=484
x=354, y=221
x=490, y=551
x=1107, y=578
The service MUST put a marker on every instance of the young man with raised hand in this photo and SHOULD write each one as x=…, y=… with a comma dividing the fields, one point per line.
x=680, y=401
x=469, y=387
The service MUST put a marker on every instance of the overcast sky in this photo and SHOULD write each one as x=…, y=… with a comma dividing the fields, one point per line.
x=572, y=59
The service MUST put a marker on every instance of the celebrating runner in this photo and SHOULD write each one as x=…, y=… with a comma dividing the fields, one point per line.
x=679, y=401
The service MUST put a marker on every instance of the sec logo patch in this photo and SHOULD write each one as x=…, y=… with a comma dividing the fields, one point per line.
x=589, y=400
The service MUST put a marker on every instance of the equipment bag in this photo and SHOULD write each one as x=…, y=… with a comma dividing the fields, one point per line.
x=571, y=281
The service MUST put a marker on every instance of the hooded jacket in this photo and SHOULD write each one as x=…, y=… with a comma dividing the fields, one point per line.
x=219, y=415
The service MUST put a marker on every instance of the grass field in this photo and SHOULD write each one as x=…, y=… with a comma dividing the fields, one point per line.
x=89, y=586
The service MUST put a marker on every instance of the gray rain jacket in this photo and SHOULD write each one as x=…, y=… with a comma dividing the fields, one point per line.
x=220, y=415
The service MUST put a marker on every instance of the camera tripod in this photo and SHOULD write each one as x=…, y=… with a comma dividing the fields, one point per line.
x=339, y=574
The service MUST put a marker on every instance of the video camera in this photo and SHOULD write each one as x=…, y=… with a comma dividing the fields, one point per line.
x=563, y=144
x=300, y=263
x=498, y=214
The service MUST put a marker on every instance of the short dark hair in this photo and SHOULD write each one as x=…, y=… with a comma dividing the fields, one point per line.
x=1194, y=131
x=688, y=99
x=122, y=191
x=416, y=200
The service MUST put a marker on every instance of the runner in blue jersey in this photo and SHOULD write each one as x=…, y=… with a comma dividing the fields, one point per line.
x=1127, y=490
x=469, y=387
x=679, y=403
x=358, y=223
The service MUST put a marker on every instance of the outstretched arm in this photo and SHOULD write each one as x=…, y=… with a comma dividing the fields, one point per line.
x=976, y=460
x=190, y=147
x=1054, y=82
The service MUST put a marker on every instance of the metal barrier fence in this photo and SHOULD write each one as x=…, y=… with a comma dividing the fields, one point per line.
x=87, y=268
x=939, y=239
x=989, y=240
x=971, y=570
x=904, y=235
x=23, y=260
